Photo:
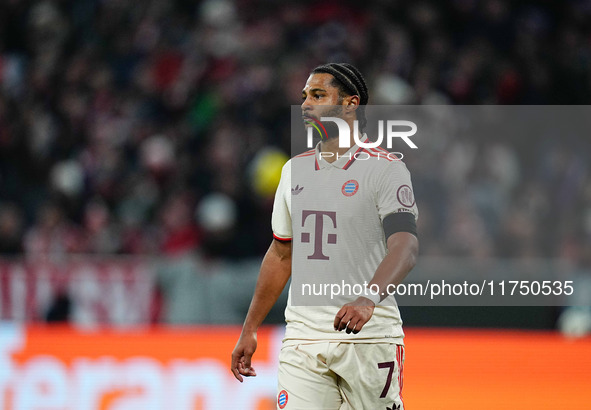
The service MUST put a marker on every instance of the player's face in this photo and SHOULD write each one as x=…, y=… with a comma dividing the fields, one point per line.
x=320, y=98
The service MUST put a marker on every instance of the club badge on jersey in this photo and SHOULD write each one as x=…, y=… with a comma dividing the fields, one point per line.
x=282, y=399
x=350, y=187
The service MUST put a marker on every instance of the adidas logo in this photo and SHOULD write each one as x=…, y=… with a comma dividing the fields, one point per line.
x=394, y=407
x=296, y=190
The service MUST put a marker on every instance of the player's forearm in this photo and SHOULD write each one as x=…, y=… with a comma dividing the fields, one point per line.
x=403, y=249
x=274, y=274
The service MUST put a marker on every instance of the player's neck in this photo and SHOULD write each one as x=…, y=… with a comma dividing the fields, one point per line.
x=332, y=145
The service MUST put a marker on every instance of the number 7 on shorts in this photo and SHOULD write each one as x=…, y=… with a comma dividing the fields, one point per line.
x=389, y=365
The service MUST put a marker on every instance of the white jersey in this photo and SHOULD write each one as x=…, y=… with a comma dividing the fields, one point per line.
x=333, y=213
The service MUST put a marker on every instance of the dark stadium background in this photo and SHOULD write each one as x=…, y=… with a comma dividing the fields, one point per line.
x=140, y=142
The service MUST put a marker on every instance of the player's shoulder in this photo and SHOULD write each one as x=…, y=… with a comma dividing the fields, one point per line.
x=299, y=159
x=303, y=159
x=384, y=160
x=304, y=156
x=397, y=168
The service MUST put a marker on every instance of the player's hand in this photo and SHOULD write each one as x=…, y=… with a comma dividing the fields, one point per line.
x=353, y=316
x=242, y=354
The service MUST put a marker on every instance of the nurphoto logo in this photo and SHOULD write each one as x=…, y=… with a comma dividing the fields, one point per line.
x=389, y=130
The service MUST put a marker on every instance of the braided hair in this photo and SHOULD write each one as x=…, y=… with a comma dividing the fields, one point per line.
x=349, y=81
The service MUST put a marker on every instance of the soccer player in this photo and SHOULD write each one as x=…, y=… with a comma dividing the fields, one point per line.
x=344, y=216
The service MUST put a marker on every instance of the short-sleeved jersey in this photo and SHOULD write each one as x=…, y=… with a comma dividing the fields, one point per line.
x=333, y=213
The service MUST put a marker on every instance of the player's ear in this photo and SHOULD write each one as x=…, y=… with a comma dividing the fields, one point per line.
x=351, y=103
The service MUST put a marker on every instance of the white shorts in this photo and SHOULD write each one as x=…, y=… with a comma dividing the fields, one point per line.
x=338, y=375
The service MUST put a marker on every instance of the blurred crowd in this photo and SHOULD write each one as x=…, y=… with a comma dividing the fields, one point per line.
x=140, y=127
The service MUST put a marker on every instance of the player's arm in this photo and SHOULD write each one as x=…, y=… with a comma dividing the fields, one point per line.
x=274, y=274
x=403, y=249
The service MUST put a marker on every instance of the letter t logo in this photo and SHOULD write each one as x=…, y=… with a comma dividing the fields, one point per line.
x=318, y=232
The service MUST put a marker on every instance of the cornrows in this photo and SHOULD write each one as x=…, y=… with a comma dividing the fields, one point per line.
x=349, y=76
x=351, y=82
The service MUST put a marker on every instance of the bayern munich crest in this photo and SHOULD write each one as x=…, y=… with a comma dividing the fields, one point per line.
x=350, y=187
x=282, y=399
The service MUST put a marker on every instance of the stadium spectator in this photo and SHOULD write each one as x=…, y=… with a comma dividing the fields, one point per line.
x=123, y=104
